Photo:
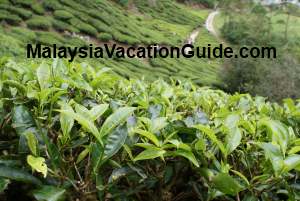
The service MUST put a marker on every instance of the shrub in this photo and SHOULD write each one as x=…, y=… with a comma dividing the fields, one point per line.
x=49, y=38
x=99, y=25
x=84, y=28
x=39, y=22
x=104, y=37
x=77, y=42
x=38, y=9
x=25, y=4
x=51, y=5
x=9, y=46
x=62, y=26
x=150, y=141
x=23, y=34
x=10, y=18
x=125, y=39
x=62, y=14
x=24, y=14
x=260, y=77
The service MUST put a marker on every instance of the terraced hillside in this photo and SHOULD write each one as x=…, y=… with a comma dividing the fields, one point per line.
x=73, y=23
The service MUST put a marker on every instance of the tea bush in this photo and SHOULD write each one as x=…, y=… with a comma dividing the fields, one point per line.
x=104, y=37
x=39, y=22
x=72, y=131
x=62, y=14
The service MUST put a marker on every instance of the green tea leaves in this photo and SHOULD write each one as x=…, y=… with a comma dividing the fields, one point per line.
x=115, y=119
x=115, y=141
x=38, y=164
x=18, y=175
x=43, y=73
x=227, y=184
x=150, y=154
x=49, y=193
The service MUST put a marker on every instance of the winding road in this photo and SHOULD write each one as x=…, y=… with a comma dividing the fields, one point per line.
x=209, y=24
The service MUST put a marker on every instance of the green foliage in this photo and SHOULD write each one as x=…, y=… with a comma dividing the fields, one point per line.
x=62, y=15
x=23, y=34
x=39, y=22
x=49, y=38
x=38, y=9
x=23, y=13
x=62, y=26
x=75, y=123
x=104, y=37
x=10, y=18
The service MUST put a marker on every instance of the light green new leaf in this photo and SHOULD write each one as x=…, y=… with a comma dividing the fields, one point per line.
x=273, y=153
x=115, y=119
x=233, y=139
x=150, y=154
x=115, y=141
x=149, y=136
x=43, y=75
x=32, y=143
x=82, y=111
x=38, y=164
x=49, y=193
x=66, y=121
x=211, y=135
x=158, y=124
x=277, y=131
x=227, y=184
x=292, y=162
x=98, y=110
x=84, y=122
x=294, y=150
x=83, y=154
x=180, y=145
x=187, y=154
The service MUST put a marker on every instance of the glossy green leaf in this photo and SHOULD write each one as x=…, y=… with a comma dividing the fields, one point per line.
x=211, y=135
x=22, y=119
x=294, y=150
x=233, y=139
x=115, y=119
x=43, y=75
x=227, y=184
x=187, y=154
x=149, y=136
x=292, y=162
x=150, y=154
x=18, y=175
x=84, y=122
x=277, y=131
x=115, y=141
x=273, y=153
x=66, y=121
x=32, y=143
x=98, y=110
x=49, y=193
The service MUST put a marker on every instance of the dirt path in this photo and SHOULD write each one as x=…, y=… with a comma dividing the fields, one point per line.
x=209, y=24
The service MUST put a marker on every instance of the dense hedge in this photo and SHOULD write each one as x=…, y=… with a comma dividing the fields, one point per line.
x=104, y=37
x=71, y=130
x=39, y=22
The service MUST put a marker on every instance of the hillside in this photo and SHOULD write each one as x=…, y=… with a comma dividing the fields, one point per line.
x=68, y=22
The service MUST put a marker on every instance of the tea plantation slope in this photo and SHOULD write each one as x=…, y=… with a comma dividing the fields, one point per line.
x=81, y=132
x=73, y=23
